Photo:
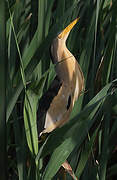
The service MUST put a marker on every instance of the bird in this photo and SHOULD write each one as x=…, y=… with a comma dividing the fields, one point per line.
x=58, y=101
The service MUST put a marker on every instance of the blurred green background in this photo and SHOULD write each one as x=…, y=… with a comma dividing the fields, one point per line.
x=89, y=140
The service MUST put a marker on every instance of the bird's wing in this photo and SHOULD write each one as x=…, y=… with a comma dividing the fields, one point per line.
x=60, y=109
x=45, y=101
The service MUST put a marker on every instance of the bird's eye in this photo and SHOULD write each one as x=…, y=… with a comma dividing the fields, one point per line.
x=69, y=102
x=59, y=33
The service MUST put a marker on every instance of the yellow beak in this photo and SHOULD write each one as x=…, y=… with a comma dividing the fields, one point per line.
x=68, y=28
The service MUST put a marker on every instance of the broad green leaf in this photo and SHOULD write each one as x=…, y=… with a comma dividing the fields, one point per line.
x=85, y=154
x=30, y=108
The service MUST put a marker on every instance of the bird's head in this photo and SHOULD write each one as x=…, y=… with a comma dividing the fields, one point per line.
x=64, y=34
x=59, y=43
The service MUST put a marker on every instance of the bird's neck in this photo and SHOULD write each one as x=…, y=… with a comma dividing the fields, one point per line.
x=57, y=50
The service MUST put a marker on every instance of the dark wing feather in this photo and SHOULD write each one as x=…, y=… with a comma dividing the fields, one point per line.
x=45, y=101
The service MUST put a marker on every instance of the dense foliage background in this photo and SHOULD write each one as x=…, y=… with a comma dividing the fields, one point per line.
x=88, y=141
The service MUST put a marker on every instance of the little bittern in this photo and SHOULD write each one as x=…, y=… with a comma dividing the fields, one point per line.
x=66, y=87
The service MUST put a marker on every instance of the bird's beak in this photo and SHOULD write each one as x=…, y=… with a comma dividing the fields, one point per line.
x=68, y=29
